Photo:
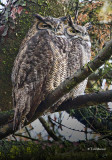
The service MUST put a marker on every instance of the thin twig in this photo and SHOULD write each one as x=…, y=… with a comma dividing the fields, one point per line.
x=76, y=11
x=28, y=132
x=91, y=132
x=23, y=136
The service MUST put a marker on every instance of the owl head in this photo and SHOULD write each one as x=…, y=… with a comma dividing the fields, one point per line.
x=74, y=30
x=56, y=25
x=62, y=26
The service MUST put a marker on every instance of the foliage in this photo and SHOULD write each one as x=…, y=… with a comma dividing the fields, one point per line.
x=98, y=118
x=55, y=150
x=8, y=14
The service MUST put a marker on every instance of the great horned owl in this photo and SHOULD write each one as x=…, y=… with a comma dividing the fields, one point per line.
x=51, y=52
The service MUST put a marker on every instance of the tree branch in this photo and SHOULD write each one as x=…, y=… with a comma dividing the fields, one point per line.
x=79, y=102
x=49, y=131
x=86, y=101
x=65, y=87
x=76, y=11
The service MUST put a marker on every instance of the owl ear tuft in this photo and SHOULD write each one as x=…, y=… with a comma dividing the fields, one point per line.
x=70, y=21
x=88, y=25
x=39, y=17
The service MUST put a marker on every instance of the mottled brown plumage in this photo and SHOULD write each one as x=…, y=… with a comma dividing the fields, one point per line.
x=51, y=52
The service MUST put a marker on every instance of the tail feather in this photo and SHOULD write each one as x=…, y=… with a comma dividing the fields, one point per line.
x=22, y=108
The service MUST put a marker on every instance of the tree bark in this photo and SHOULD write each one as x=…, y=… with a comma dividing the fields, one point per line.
x=87, y=100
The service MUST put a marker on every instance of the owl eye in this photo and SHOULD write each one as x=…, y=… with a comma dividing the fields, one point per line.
x=41, y=25
x=74, y=31
x=46, y=26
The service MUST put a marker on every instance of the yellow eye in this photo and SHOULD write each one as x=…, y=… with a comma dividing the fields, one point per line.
x=42, y=25
x=71, y=30
x=46, y=26
x=74, y=30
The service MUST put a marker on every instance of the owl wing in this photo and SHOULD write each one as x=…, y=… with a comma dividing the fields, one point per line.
x=31, y=67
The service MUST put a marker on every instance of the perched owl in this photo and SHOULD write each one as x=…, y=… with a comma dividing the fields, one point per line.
x=51, y=52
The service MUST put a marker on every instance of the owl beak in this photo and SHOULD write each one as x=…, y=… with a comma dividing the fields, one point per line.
x=55, y=30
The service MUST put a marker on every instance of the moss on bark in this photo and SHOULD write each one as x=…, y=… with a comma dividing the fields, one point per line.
x=53, y=151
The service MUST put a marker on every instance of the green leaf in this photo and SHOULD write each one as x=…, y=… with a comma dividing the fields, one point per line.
x=99, y=119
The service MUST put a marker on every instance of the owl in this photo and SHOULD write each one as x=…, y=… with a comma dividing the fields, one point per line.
x=53, y=50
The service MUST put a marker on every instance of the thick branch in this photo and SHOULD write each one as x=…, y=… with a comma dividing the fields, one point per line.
x=79, y=102
x=86, y=100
